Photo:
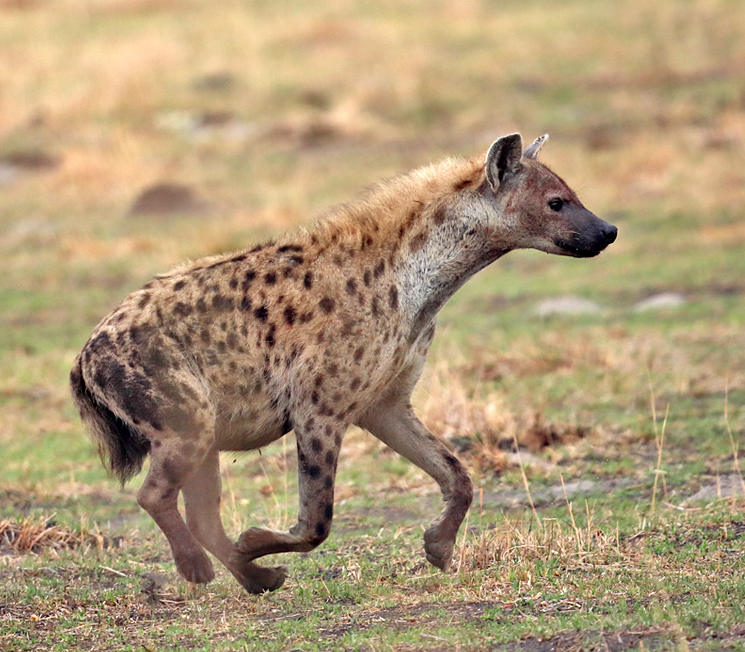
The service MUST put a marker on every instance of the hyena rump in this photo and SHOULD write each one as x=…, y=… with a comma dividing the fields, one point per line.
x=311, y=333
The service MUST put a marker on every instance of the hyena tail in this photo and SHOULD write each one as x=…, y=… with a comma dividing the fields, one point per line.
x=122, y=448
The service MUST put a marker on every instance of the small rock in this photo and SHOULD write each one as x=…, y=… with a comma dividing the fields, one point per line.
x=567, y=305
x=215, y=81
x=167, y=199
x=660, y=301
x=31, y=160
x=723, y=487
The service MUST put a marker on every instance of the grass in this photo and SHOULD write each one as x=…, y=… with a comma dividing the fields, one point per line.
x=269, y=112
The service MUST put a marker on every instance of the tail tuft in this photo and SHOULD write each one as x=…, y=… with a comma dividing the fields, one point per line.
x=122, y=448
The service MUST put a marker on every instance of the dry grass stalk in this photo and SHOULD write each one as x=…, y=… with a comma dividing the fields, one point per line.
x=733, y=444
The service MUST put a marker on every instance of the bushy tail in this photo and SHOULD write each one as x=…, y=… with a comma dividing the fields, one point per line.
x=122, y=448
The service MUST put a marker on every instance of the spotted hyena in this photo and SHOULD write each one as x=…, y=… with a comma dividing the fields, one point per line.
x=313, y=332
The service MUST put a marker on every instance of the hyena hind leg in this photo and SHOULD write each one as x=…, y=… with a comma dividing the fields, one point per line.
x=202, y=495
x=172, y=462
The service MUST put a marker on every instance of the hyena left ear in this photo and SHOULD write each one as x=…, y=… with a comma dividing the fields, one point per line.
x=503, y=159
x=532, y=150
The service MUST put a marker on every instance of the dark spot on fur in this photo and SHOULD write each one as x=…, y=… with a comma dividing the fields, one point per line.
x=319, y=380
x=452, y=461
x=330, y=458
x=328, y=482
x=270, y=278
x=296, y=260
x=248, y=278
x=367, y=278
x=379, y=269
x=290, y=315
x=306, y=317
x=461, y=185
x=333, y=369
x=289, y=247
x=221, y=302
x=438, y=217
x=144, y=300
x=261, y=313
x=314, y=398
x=393, y=297
x=316, y=444
x=256, y=249
x=270, y=341
x=326, y=304
x=355, y=384
x=246, y=306
x=417, y=242
x=179, y=285
x=375, y=307
x=308, y=280
x=201, y=305
x=132, y=391
x=359, y=352
x=328, y=511
x=233, y=283
x=314, y=471
x=182, y=309
x=351, y=286
x=231, y=340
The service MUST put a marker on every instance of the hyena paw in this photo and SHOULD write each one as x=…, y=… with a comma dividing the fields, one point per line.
x=439, y=551
x=195, y=567
x=260, y=579
x=255, y=542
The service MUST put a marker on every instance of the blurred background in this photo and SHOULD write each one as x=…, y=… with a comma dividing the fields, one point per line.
x=135, y=134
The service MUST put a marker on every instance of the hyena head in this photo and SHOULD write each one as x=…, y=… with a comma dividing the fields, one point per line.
x=536, y=208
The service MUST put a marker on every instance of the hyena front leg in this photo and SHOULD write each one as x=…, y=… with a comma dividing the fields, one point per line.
x=396, y=425
x=318, y=444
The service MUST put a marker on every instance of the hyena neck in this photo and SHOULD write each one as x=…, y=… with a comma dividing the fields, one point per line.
x=457, y=246
x=427, y=229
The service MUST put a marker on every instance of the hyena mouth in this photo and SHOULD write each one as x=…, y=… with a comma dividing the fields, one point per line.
x=579, y=251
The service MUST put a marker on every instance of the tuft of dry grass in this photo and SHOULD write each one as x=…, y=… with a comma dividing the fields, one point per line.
x=514, y=546
x=42, y=534
x=483, y=427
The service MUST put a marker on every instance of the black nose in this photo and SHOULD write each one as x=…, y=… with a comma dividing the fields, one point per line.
x=609, y=233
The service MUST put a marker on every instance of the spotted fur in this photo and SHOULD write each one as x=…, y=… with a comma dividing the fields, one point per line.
x=319, y=330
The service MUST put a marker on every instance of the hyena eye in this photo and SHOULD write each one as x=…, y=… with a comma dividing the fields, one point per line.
x=556, y=204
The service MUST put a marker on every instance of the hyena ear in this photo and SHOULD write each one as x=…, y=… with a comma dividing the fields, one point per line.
x=532, y=150
x=503, y=159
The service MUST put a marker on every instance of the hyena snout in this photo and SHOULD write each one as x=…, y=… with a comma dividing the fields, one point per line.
x=589, y=235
